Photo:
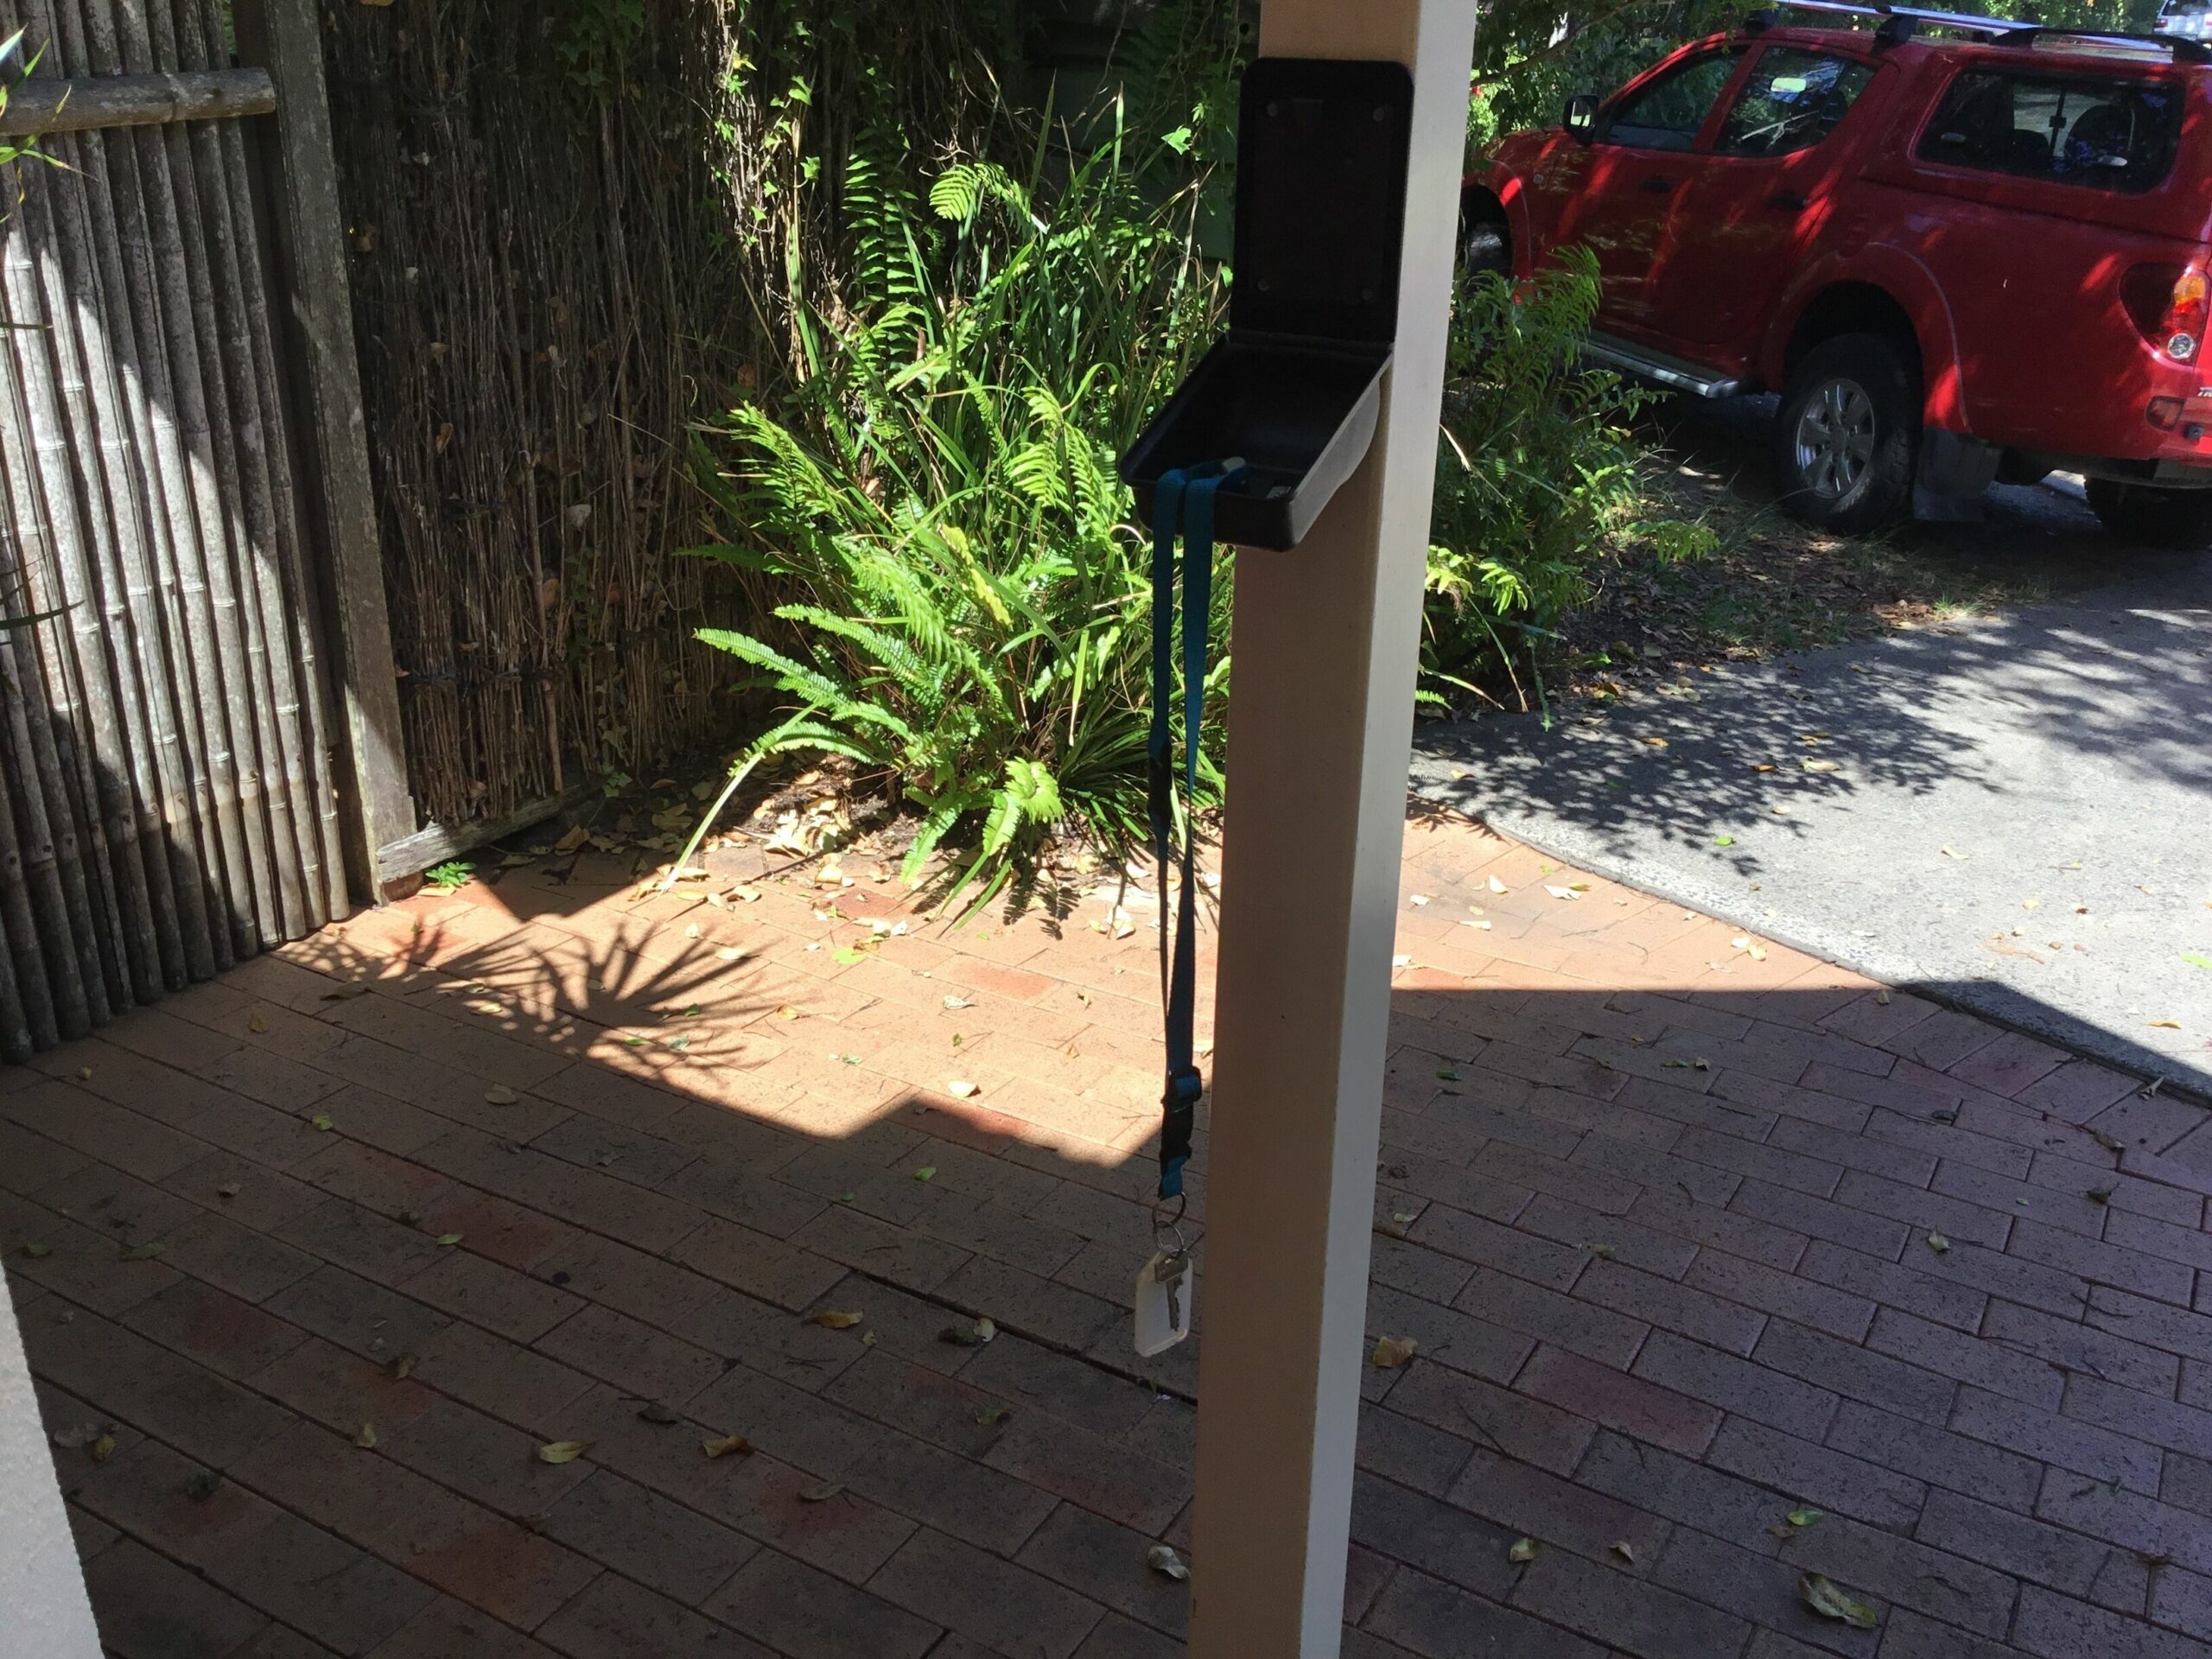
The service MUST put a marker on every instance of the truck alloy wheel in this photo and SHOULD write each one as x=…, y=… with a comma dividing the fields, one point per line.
x=1846, y=434
x=1835, y=439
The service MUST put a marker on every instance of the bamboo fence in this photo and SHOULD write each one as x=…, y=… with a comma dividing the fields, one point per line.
x=166, y=798
x=538, y=322
x=563, y=257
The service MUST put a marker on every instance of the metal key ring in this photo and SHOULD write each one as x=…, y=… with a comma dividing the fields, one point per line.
x=1172, y=1224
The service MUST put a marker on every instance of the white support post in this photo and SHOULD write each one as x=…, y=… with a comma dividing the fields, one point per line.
x=1319, y=727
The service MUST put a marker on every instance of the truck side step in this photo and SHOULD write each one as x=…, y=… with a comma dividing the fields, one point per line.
x=1612, y=353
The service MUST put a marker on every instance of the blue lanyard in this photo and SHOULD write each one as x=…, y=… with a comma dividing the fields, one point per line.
x=1185, y=496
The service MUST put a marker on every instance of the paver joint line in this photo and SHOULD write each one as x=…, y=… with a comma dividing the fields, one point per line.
x=1656, y=1213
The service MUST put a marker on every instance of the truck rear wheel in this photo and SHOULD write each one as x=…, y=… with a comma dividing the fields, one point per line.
x=1484, y=247
x=2155, y=517
x=1848, y=434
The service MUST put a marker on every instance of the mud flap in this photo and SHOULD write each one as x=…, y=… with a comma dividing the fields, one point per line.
x=1955, y=471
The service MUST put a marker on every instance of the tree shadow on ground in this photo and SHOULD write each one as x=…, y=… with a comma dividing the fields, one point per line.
x=2120, y=677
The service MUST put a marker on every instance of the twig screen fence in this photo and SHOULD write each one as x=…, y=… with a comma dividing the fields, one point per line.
x=173, y=741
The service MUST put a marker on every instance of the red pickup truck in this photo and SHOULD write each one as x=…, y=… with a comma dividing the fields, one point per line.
x=1961, y=249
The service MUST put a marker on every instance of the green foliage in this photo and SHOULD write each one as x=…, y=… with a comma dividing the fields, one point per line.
x=449, y=877
x=593, y=39
x=966, y=613
x=1537, y=473
x=14, y=66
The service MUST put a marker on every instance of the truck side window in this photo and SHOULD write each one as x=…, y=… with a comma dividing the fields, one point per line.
x=1793, y=99
x=2107, y=133
x=1668, y=113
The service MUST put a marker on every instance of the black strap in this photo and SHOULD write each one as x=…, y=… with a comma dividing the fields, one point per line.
x=1183, y=497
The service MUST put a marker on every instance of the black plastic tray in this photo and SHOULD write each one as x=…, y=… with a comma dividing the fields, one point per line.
x=1294, y=389
x=1301, y=418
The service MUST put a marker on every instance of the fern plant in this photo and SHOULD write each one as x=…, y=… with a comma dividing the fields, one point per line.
x=1537, y=475
x=967, y=601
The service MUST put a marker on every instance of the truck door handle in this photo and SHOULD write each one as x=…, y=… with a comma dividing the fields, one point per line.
x=1787, y=199
x=1657, y=186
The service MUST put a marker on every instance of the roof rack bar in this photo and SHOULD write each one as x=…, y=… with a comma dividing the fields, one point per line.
x=2008, y=30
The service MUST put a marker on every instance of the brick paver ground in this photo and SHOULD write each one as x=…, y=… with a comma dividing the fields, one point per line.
x=1691, y=1231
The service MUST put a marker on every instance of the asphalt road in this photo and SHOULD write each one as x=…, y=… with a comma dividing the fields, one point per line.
x=2014, y=815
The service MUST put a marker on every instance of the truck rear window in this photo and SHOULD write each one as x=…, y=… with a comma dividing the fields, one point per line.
x=2106, y=133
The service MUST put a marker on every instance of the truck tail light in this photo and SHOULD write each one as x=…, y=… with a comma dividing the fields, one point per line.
x=2171, y=304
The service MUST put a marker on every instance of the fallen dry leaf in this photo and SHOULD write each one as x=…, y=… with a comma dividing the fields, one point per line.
x=1950, y=852
x=956, y=1002
x=1831, y=1600
x=964, y=1089
x=322, y=1120
x=727, y=1445
x=1561, y=893
x=1162, y=1558
x=1497, y=885
x=257, y=1022
x=1390, y=1352
x=229, y=1190
x=1796, y=1521
x=1938, y=1243
x=1622, y=1548
x=574, y=840
x=145, y=1252
x=926, y=1172
x=449, y=1239
x=499, y=1095
x=1522, y=1552
x=822, y=1492
x=2165, y=1025
x=101, y=1449
x=366, y=1437
x=992, y=1416
x=348, y=991
x=654, y=1412
x=402, y=1367
x=560, y=1451
x=832, y=1318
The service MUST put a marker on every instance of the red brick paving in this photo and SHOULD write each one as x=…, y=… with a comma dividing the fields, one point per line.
x=1656, y=1205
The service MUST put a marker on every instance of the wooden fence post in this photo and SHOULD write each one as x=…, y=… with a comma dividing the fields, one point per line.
x=283, y=36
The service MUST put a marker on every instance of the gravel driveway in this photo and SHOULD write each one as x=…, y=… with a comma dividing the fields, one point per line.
x=2013, y=814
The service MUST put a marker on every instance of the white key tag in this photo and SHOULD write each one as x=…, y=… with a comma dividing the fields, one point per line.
x=1165, y=1287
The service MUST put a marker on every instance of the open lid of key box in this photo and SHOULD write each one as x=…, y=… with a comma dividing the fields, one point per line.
x=1294, y=387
